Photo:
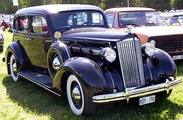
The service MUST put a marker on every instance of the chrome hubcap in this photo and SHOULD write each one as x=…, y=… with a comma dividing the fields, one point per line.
x=14, y=67
x=76, y=96
x=56, y=63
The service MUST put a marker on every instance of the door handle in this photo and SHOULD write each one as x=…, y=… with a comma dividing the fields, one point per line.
x=29, y=38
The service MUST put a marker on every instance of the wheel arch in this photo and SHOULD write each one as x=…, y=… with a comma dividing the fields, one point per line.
x=163, y=65
x=165, y=62
x=61, y=50
x=19, y=52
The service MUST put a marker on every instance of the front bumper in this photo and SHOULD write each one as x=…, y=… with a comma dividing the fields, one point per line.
x=133, y=93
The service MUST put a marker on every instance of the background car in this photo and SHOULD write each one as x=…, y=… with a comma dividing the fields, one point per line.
x=172, y=21
x=69, y=50
x=1, y=39
x=149, y=27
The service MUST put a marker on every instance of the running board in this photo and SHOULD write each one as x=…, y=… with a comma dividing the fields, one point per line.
x=39, y=79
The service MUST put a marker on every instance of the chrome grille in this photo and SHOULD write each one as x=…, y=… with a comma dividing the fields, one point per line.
x=130, y=58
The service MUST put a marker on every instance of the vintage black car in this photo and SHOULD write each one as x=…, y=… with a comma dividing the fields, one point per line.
x=70, y=50
x=1, y=39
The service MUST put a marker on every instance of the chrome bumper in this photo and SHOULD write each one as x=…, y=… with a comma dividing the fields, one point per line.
x=132, y=93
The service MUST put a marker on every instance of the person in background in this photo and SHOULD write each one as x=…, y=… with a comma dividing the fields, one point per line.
x=4, y=25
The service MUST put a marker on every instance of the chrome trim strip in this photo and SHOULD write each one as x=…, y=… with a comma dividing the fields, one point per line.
x=139, y=61
x=166, y=86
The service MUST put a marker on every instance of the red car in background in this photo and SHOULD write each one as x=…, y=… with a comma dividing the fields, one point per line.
x=149, y=27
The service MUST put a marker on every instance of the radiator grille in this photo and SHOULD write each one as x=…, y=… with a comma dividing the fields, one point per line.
x=130, y=58
x=169, y=43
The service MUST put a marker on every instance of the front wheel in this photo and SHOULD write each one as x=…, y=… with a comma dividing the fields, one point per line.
x=79, y=102
x=13, y=69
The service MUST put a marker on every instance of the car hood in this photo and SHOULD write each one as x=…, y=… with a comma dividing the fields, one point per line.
x=158, y=30
x=94, y=34
x=144, y=33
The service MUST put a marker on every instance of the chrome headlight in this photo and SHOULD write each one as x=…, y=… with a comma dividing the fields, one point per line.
x=1, y=36
x=150, y=49
x=153, y=42
x=109, y=54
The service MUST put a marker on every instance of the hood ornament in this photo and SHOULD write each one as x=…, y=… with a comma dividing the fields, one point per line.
x=129, y=28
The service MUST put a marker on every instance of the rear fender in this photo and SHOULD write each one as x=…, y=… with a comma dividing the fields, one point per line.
x=17, y=49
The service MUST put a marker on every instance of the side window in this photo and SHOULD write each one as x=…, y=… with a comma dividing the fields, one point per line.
x=39, y=25
x=85, y=18
x=21, y=24
x=97, y=18
x=111, y=19
x=78, y=18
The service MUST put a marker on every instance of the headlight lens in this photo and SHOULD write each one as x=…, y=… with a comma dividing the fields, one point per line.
x=1, y=37
x=150, y=49
x=153, y=42
x=109, y=54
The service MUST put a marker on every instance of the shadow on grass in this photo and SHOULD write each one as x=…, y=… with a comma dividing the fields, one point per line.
x=35, y=99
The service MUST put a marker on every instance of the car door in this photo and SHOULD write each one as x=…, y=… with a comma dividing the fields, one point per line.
x=34, y=36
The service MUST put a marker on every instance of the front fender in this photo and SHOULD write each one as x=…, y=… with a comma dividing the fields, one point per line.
x=88, y=72
x=161, y=65
x=17, y=49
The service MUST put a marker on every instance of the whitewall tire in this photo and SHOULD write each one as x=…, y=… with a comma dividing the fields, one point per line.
x=79, y=102
x=13, y=68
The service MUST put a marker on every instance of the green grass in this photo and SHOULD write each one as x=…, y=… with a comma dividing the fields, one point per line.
x=24, y=100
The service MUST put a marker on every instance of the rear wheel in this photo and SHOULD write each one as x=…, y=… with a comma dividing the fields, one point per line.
x=79, y=102
x=13, y=68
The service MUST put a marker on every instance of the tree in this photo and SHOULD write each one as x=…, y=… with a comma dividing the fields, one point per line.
x=178, y=4
x=7, y=7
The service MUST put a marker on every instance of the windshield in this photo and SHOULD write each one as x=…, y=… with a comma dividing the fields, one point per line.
x=77, y=19
x=140, y=19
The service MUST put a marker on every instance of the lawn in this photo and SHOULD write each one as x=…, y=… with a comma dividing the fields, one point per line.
x=24, y=100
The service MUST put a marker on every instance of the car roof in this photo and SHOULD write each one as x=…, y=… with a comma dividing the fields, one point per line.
x=123, y=9
x=55, y=8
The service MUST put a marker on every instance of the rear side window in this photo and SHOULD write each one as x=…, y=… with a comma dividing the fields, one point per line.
x=21, y=23
x=31, y=24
